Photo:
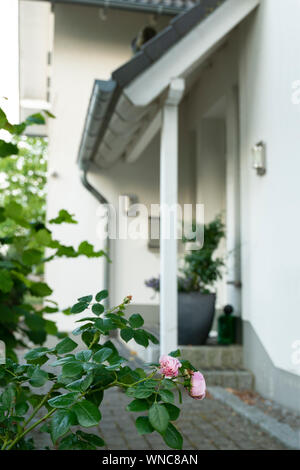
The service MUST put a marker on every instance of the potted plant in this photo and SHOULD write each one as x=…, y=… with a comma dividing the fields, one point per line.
x=196, y=283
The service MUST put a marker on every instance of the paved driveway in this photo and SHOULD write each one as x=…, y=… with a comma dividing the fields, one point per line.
x=205, y=425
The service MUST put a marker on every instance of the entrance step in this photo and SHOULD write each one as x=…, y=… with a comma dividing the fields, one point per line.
x=236, y=379
x=220, y=365
x=214, y=357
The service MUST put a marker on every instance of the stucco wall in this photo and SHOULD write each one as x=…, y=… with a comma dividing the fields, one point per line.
x=269, y=64
x=85, y=49
x=9, y=81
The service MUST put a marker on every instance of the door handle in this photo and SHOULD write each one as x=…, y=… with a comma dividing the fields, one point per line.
x=237, y=284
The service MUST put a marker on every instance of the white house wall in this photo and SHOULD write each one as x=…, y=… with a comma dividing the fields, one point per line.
x=35, y=40
x=270, y=111
x=87, y=48
x=9, y=81
x=35, y=37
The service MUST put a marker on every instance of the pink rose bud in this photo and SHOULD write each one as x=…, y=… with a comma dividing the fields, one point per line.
x=169, y=366
x=198, y=386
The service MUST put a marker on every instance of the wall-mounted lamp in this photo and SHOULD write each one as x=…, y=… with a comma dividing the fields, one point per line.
x=128, y=201
x=259, y=158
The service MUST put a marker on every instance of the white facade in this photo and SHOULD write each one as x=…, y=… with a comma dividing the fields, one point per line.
x=268, y=68
x=244, y=93
x=9, y=54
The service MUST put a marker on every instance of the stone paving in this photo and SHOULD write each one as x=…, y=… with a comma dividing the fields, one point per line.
x=205, y=425
x=270, y=408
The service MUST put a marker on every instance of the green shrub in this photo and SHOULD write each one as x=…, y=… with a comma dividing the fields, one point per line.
x=78, y=380
x=25, y=238
x=201, y=268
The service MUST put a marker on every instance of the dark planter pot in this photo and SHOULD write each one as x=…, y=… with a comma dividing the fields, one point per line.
x=195, y=317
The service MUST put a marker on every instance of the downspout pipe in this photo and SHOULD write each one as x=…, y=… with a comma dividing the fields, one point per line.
x=102, y=200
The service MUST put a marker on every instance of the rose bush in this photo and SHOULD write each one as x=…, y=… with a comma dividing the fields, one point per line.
x=27, y=242
x=77, y=378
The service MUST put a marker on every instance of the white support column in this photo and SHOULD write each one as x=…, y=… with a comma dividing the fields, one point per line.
x=233, y=201
x=168, y=201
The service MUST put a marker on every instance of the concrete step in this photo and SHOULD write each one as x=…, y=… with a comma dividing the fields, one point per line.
x=237, y=379
x=214, y=356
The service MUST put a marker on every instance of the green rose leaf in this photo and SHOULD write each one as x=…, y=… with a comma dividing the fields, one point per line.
x=138, y=405
x=152, y=338
x=102, y=355
x=36, y=118
x=80, y=385
x=159, y=417
x=140, y=337
x=65, y=346
x=21, y=408
x=139, y=392
x=8, y=396
x=61, y=422
x=36, y=353
x=91, y=438
x=79, y=307
x=84, y=356
x=3, y=119
x=31, y=257
x=176, y=353
x=38, y=377
x=136, y=321
x=126, y=334
x=86, y=298
x=63, y=360
x=63, y=217
x=103, y=294
x=7, y=149
x=64, y=400
x=87, y=413
x=143, y=425
x=51, y=327
x=6, y=283
x=35, y=322
x=40, y=289
x=97, y=309
x=71, y=369
x=172, y=437
x=173, y=411
x=167, y=396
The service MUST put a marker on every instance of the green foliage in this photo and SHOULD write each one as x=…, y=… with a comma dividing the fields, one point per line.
x=25, y=236
x=201, y=268
x=76, y=385
x=23, y=180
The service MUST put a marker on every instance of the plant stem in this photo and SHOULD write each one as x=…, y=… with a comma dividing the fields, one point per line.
x=4, y=444
x=138, y=382
x=95, y=339
x=38, y=407
x=7, y=370
x=26, y=431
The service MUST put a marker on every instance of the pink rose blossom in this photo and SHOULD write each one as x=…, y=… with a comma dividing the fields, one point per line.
x=169, y=366
x=198, y=386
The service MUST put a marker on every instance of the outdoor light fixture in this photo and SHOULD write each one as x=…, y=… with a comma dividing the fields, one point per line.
x=129, y=200
x=259, y=158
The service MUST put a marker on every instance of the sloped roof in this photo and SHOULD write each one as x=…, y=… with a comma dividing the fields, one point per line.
x=106, y=94
x=117, y=118
x=167, y=7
